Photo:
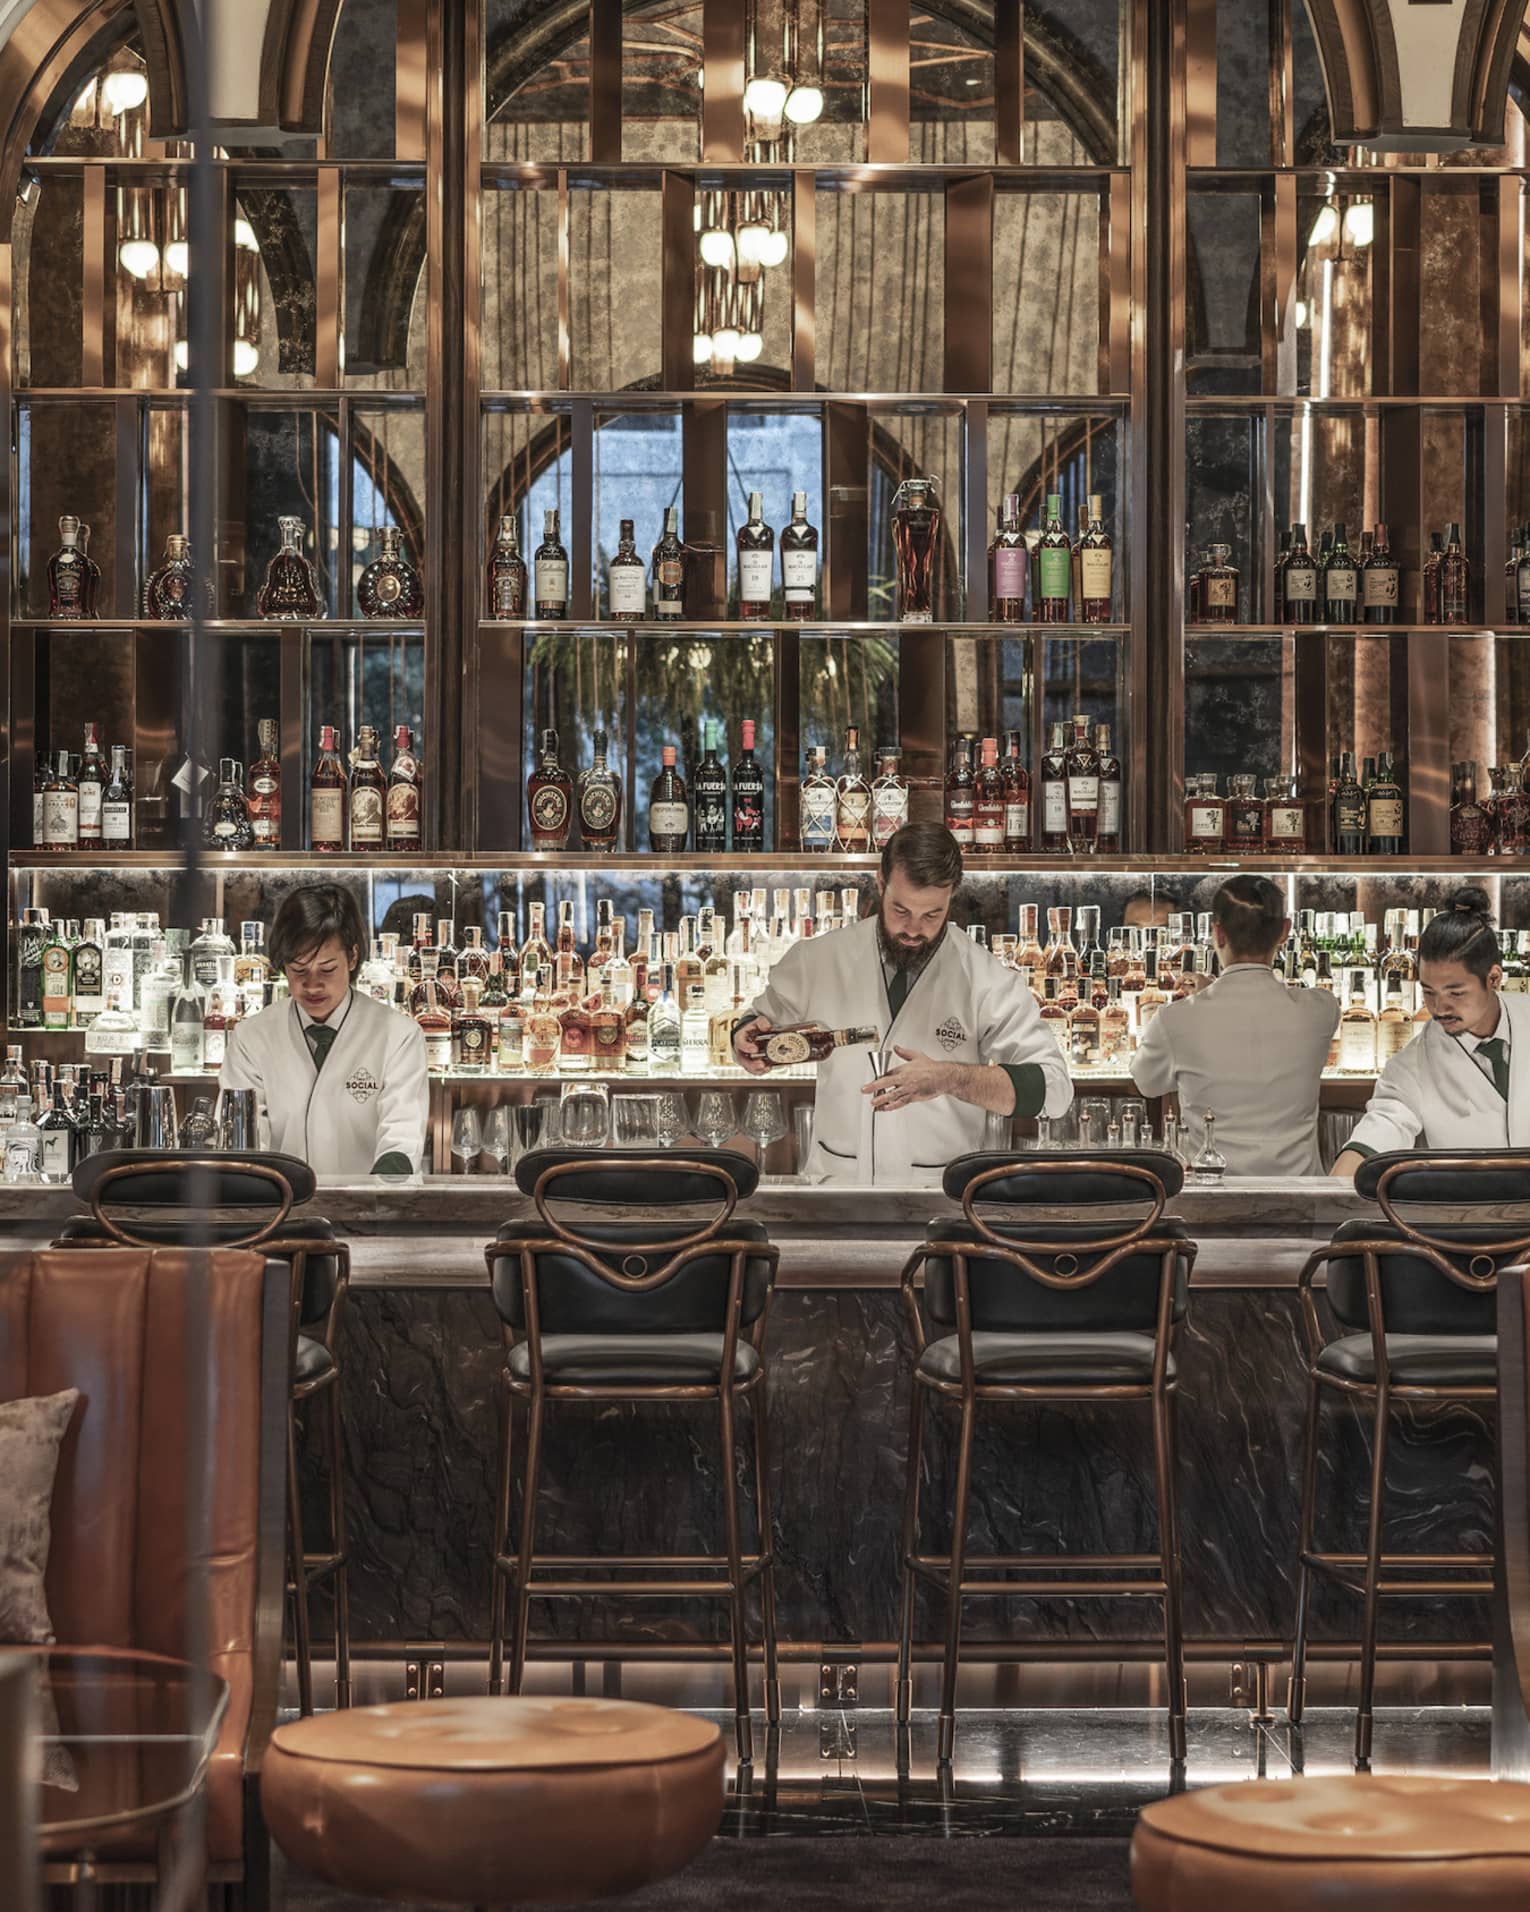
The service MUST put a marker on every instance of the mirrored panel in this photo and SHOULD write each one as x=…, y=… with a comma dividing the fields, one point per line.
x=1046, y=308
x=386, y=287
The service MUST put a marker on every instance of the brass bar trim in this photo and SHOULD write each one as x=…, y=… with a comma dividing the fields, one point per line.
x=722, y=99
x=887, y=69
x=581, y=534
x=677, y=199
x=411, y=81
x=98, y=290
x=975, y=512
x=969, y=284
x=606, y=82
x=1200, y=73
x=565, y=343
x=329, y=281
x=1428, y=742
x=1009, y=81
x=804, y=214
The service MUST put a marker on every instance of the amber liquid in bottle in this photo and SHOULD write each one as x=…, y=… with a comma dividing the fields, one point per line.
x=507, y=573
x=549, y=797
x=1095, y=559
x=326, y=796
x=403, y=800
x=265, y=792
x=1008, y=566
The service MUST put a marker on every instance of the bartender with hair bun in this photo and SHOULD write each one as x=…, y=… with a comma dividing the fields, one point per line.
x=1463, y=1082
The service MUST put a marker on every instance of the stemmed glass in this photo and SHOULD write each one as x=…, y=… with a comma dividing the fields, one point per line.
x=764, y=1119
x=496, y=1137
x=716, y=1117
x=467, y=1139
x=669, y=1117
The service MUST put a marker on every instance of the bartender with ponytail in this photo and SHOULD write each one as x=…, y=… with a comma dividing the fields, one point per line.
x=1463, y=1082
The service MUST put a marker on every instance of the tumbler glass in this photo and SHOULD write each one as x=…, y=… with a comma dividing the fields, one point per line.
x=584, y=1114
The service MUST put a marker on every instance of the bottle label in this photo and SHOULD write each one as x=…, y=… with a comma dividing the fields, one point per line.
x=712, y=817
x=552, y=581
x=754, y=574
x=68, y=589
x=988, y=829
x=55, y=967
x=88, y=998
x=608, y=1033
x=438, y=1049
x=1357, y=1045
x=1083, y=794
x=817, y=816
x=366, y=817
x=549, y=809
x=116, y=822
x=1017, y=819
x=784, y=1048
x=1379, y=583
x=61, y=817
x=1056, y=572
x=1349, y=816
x=90, y=809
x=1110, y=807
x=1094, y=572
x=327, y=816
x=799, y=575
x=186, y=1052
x=1386, y=816
x=403, y=814
x=1054, y=807
x=473, y=1041
x=1206, y=822
x=748, y=822
x=669, y=585
x=214, y=1045
x=1221, y=594
x=1010, y=564
x=628, y=587
x=1339, y=583
x=1300, y=585
x=597, y=808
x=20, y=1159
x=853, y=815
x=889, y=810
x=512, y=1038
x=508, y=598
x=668, y=819
x=54, y=1154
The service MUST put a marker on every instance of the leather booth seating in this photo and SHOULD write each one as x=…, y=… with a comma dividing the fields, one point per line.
x=113, y=1322
x=636, y=1305
x=494, y=1801
x=1356, y=1843
x=160, y=1181
x=1434, y=1340
x=1095, y=1322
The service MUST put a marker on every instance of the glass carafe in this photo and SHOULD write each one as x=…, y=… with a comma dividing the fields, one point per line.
x=1210, y=1165
x=916, y=520
x=290, y=589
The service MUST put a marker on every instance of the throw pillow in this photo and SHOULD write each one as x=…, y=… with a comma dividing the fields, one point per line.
x=31, y=1432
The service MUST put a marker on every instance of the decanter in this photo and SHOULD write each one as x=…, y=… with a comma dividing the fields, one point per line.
x=168, y=592
x=1210, y=1165
x=390, y=585
x=916, y=520
x=290, y=590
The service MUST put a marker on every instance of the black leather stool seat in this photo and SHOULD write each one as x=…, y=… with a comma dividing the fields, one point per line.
x=320, y=1275
x=1047, y=1360
x=1417, y=1360
x=633, y=1360
x=573, y=1301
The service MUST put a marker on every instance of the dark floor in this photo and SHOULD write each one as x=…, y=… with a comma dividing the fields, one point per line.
x=1037, y=1811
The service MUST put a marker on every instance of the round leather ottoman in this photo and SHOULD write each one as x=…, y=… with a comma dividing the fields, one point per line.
x=494, y=1801
x=1404, y=1844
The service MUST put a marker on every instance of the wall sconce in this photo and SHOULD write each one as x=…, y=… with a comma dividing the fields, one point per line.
x=765, y=84
x=1360, y=222
x=246, y=312
x=137, y=247
x=804, y=61
x=716, y=233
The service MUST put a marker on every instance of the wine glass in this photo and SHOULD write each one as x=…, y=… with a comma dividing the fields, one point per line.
x=496, y=1137
x=584, y=1114
x=716, y=1118
x=467, y=1139
x=764, y=1119
x=669, y=1117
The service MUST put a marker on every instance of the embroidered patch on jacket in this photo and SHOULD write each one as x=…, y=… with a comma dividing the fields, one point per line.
x=952, y=1035
x=363, y=1085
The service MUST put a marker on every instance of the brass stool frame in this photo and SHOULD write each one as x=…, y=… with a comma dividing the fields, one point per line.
x=1157, y=1575
x=525, y=1574
x=1379, y=1395
x=303, y=1568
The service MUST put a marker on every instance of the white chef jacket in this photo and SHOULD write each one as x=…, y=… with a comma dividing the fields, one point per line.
x=1434, y=1094
x=1251, y=1050
x=371, y=1098
x=964, y=1006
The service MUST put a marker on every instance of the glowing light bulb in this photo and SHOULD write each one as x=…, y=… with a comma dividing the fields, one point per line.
x=765, y=98
x=244, y=236
x=750, y=346
x=182, y=355
x=122, y=92
x=717, y=247
x=1302, y=314
x=177, y=257
x=1360, y=223
x=1325, y=228
x=775, y=248
x=753, y=237
x=804, y=104
x=725, y=342
x=246, y=358
x=701, y=348
x=138, y=256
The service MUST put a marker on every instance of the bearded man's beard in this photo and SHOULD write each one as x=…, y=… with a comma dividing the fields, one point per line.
x=905, y=954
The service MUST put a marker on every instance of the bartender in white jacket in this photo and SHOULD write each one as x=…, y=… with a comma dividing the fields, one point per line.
x=964, y=1029
x=1463, y=1082
x=340, y=1079
x=1245, y=1048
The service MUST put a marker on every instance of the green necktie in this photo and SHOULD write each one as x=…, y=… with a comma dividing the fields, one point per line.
x=897, y=990
x=320, y=1040
x=1493, y=1050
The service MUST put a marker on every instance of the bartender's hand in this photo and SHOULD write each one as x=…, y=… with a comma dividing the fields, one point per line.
x=919, y=1080
x=746, y=1047
x=1191, y=984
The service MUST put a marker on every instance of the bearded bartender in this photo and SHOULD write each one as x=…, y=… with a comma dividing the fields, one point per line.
x=965, y=1030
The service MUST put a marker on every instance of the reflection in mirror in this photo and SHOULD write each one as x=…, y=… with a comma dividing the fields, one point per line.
x=1239, y=708
x=843, y=681
x=520, y=289
x=536, y=82
x=1046, y=274
x=385, y=288
x=49, y=314
x=880, y=290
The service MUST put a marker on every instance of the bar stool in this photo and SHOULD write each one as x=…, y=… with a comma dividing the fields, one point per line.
x=630, y=1308
x=1418, y=1302
x=1047, y=1311
x=273, y=1184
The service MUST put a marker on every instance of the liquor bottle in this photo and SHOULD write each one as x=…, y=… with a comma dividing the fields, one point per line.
x=540, y=1022
x=799, y=563
x=600, y=800
x=220, y=1011
x=472, y=1032
x=626, y=581
x=988, y=802
x=818, y=797
x=1379, y=581
x=226, y=821
x=1082, y=770
x=436, y=1025
x=549, y=797
x=507, y=572
x=852, y=800
x=1017, y=797
x=291, y=588
x=1357, y=1036
x=188, y=1051
x=1299, y=582
x=709, y=794
x=961, y=792
x=263, y=804
x=1455, y=580
x=1110, y=791
x=90, y=783
x=60, y=806
x=668, y=566
x=549, y=571
x=1285, y=816
x=1384, y=810
x=695, y=1033
x=56, y=1140
x=326, y=795
x=664, y=1026
x=69, y=569
x=165, y=976
x=117, y=804
x=1341, y=580
x=1471, y=828
x=32, y=938
x=1205, y=815
x=1431, y=578
x=1394, y=1026
x=87, y=958
x=401, y=819
x=799, y=1042
x=669, y=814
x=1054, y=791
x=57, y=979
x=1095, y=558
x=889, y=797
x=167, y=593
x=748, y=795
x=756, y=561
x=1349, y=811
x=535, y=951
x=390, y=585
x=608, y=1034
x=1054, y=562
x=1219, y=586
x=916, y=521
x=1008, y=565
x=1244, y=823
x=368, y=793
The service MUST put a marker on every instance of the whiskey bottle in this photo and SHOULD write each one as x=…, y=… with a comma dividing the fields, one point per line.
x=549, y=797
x=1357, y=1035
x=1349, y=810
x=800, y=1042
x=889, y=798
x=748, y=796
x=60, y=806
x=1218, y=587
x=1455, y=580
x=436, y=1026
x=31, y=940
x=961, y=793
x=916, y=522
x=1054, y=791
x=507, y=572
x=390, y=585
x=1083, y=775
x=608, y=1034
x=1384, y=810
x=1109, y=837
x=326, y=795
x=1431, y=578
x=369, y=793
x=1471, y=827
x=799, y=563
x=600, y=800
x=852, y=800
x=1095, y=558
x=549, y=569
x=402, y=822
x=1379, y=581
x=1285, y=816
x=988, y=802
x=167, y=594
x=1244, y=825
x=1341, y=580
x=535, y=953
x=117, y=804
x=91, y=782
x=1299, y=582
x=818, y=801
x=626, y=581
x=669, y=571
x=88, y=957
x=1054, y=567
x=756, y=561
x=575, y=1033
x=1017, y=797
x=57, y=979
x=263, y=799
x=291, y=589
x=69, y=587
x=1008, y=565
x=669, y=815
x=710, y=796
x=226, y=824
x=472, y=1032
x=1205, y=816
